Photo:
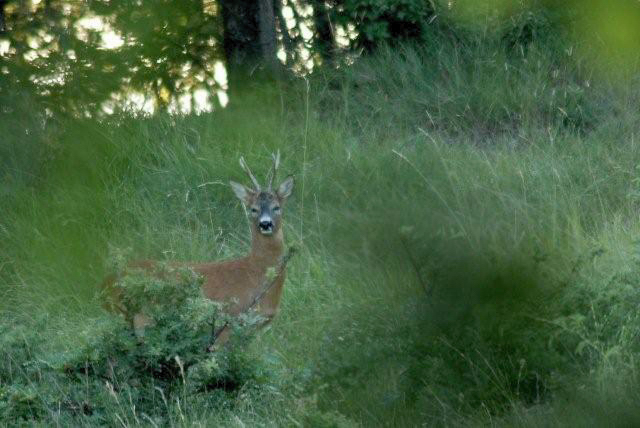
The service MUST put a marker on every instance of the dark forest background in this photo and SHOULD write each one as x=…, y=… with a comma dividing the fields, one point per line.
x=74, y=57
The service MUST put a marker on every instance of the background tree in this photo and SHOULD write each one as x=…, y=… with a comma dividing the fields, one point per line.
x=323, y=37
x=249, y=38
x=2, y=5
x=383, y=22
x=170, y=48
x=58, y=55
x=85, y=57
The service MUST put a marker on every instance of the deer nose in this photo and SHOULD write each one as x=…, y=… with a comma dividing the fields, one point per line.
x=266, y=224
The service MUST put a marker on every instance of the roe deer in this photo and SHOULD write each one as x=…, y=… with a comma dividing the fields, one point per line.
x=241, y=283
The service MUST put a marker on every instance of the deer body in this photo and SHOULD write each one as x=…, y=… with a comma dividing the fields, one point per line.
x=238, y=283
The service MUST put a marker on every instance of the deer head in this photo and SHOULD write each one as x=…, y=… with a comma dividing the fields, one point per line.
x=264, y=203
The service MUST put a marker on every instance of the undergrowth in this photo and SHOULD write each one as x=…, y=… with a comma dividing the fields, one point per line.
x=110, y=375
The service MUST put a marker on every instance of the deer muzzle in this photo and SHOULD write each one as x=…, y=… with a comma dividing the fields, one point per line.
x=265, y=225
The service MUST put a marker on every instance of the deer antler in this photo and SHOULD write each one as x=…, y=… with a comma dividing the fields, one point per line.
x=274, y=168
x=246, y=169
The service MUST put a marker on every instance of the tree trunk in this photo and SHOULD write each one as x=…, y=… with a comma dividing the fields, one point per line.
x=284, y=31
x=268, y=43
x=3, y=27
x=324, y=35
x=249, y=39
x=241, y=42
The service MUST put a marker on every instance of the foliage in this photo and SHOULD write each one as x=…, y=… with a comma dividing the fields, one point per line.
x=174, y=49
x=110, y=373
x=58, y=54
x=96, y=57
x=393, y=22
x=380, y=21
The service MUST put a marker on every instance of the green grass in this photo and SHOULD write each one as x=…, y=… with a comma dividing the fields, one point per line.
x=467, y=219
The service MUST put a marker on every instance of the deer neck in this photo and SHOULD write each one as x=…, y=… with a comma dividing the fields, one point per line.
x=266, y=250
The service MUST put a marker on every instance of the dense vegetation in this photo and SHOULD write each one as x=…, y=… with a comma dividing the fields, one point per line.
x=467, y=226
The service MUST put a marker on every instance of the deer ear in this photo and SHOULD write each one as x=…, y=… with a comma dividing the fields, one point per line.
x=241, y=192
x=285, y=188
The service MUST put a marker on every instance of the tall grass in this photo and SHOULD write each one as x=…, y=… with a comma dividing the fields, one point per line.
x=468, y=240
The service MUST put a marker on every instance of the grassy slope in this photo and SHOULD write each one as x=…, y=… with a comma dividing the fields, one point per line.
x=505, y=185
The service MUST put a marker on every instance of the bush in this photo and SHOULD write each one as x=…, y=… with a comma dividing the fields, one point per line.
x=113, y=373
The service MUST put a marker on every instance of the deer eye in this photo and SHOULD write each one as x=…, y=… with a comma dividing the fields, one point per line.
x=276, y=209
x=254, y=210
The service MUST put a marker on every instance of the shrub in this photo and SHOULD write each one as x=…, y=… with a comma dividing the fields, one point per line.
x=112, y=373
